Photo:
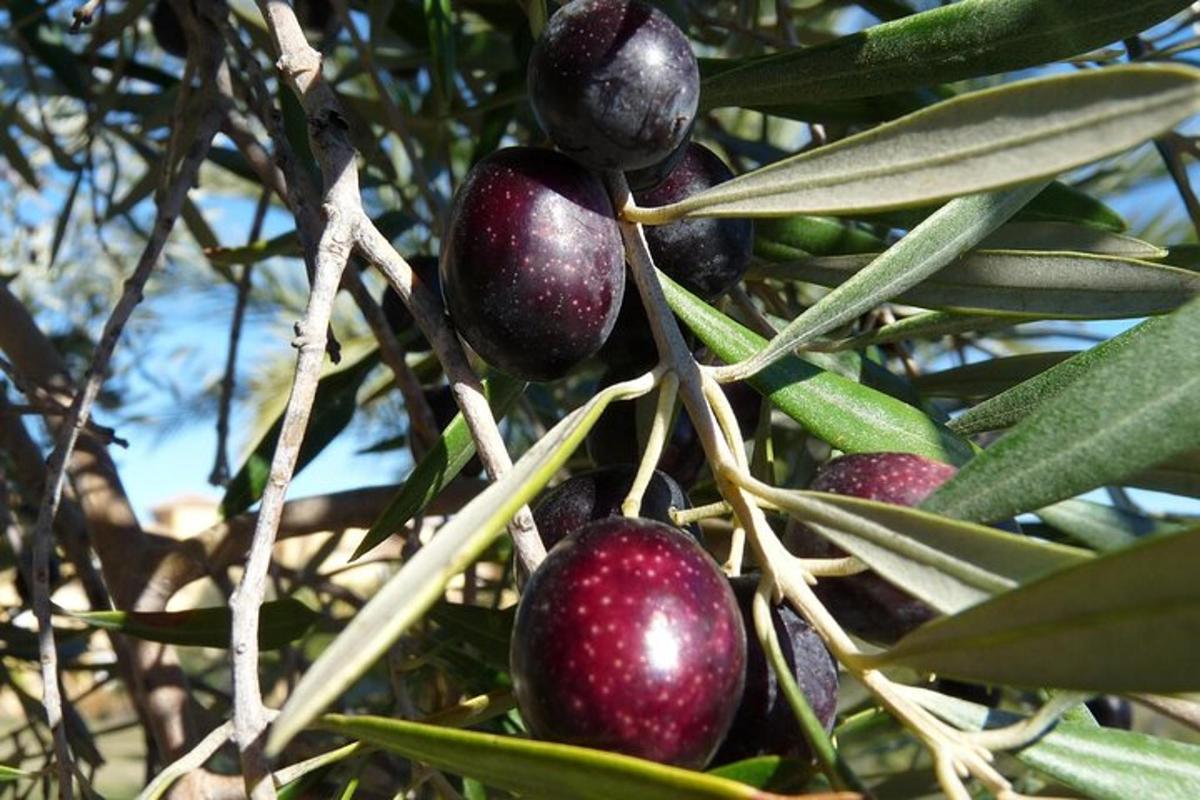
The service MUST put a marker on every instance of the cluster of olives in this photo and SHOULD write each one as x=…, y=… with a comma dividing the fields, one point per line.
x=630, y=638
x=533, y=269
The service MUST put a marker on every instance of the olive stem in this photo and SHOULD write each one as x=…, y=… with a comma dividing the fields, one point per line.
x=686, y=516
x=663, y=408
x=954, y=754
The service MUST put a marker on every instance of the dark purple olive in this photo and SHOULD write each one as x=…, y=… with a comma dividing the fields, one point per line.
x=867, y=604
x=640, y=180
x=706, y=255
x=598, y=495
x=1111, y=712
x=614, y=83
x=533, y=271
x=628, y=638
x=765, y=723
x=399, y=318
x=168, y=30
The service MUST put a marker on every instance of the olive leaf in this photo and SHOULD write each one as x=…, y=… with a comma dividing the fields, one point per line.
x=543, y=769
x=944, y=562
x=975, y=142
x=280, y=622
x=850, y=416
x=1124, y=622
x=1102, y=763
x=986, y=378
x=1128, y=409
x=1103, y=527
x=962, y=40
x=1022, y=283
x=944, y=236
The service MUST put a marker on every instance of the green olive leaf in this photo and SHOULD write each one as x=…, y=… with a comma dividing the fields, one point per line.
x=1128, y=409
x=977, y=142
x=1101, y=763
x=280, y=622
x=1022, y=283
x=986, y=378
x=1128, y=621
x=962, y=40
x=850, y=416
x=542, y=769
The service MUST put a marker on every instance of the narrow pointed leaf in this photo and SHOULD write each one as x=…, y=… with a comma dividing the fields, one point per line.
x=976, y=142
x=1127, y=622
x=1101, y=763
x=789, y=238
x=1058, y=203
x=1011, y=406
x=1179, y=474
x=65, y=215
x=1103, y=527
x=773, y=773
x=848, y=415
x=939, y=240
x=1128, y=411
x=946, y=563
x=440, y=465
x=8, y=774
x=11, y=150
x=540, y=769
x=927, y=325
x=963, y=40
x=422, y=580
x=439, y=21
x=1059, y=236
x=280, y=622
x=1023, y=283
x=986, y=378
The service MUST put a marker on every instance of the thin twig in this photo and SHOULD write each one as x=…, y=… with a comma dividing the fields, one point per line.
x=203, y=116
x=220, y=471
x=395, y=120
x=294, y=188
x=83, y=15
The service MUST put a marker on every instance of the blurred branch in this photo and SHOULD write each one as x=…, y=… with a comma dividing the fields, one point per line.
x=1169, y=149
x=293, y=186
x=220, y=471
x=83, y=15
x=395, y=120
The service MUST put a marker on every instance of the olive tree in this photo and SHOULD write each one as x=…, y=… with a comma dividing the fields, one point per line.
x=865, y=323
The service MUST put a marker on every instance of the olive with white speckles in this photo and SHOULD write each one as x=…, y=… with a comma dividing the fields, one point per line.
x=707, y=255
x=765, y=723
x=614, y=83
x=534, y=269
x=628, y=638
x=867, y=604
